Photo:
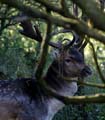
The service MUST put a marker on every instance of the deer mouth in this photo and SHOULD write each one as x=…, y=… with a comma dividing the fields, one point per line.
x=86, y=72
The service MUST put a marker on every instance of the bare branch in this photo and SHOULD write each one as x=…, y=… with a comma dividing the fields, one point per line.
x=65, y=9
x=91, y=8
x=85, y=83
x=43, y=54
x=50, y=6
x=97, y=98
x=96, y=62
x=75, y=24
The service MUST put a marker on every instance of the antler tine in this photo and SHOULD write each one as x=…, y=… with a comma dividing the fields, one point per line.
x=33, y=32
x=75, y=40
x=55, y=45
x=80, y=44
x=83, y=45
x=76, y=37
x=30, y=31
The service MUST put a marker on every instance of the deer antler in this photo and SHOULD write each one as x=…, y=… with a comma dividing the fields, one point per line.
x=30, y=31
x=33, y=32
x=70, y=43
x=77, y=41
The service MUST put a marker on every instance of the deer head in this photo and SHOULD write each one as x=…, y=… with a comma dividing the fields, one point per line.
x=69, y=54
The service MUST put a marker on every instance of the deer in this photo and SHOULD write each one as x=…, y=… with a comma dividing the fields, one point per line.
x=25, y=99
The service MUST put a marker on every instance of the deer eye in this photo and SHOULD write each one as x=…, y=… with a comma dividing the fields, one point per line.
x=68, y=60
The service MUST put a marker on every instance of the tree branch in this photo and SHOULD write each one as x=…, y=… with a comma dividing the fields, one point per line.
x=91, y=8
x=97, y=98
x=96, y=63
x=50, y=6
x=65, y=10
x=43, y=53
x=80, y=82
x=77, y=25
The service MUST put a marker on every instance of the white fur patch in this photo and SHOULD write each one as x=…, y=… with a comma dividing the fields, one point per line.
x=55, y=105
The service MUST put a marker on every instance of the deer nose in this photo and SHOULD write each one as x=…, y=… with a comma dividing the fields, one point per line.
x=86, y=71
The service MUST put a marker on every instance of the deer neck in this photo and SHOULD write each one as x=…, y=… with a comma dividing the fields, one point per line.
x=61, y=87
x=59, y=84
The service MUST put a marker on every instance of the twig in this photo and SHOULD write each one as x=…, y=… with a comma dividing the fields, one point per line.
x=84, y=83
x=96, y=62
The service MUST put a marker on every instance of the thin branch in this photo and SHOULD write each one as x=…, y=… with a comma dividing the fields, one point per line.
x=65, y=10
x=62, y=11
x=50, y=6
x=97, y=98
x=91, y=8
x=96, y=63
x=80, y=82
x=91, y=84
x=43, y=54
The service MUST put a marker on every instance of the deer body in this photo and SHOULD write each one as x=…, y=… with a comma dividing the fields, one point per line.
x=18, y=104
x=24, y=99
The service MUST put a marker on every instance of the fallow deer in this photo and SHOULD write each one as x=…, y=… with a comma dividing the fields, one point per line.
x=25, y=99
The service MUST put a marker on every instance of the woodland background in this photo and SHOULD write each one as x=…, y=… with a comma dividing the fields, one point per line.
x=19, y=54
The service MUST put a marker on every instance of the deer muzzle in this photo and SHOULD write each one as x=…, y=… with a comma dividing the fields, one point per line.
x=86, y=71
